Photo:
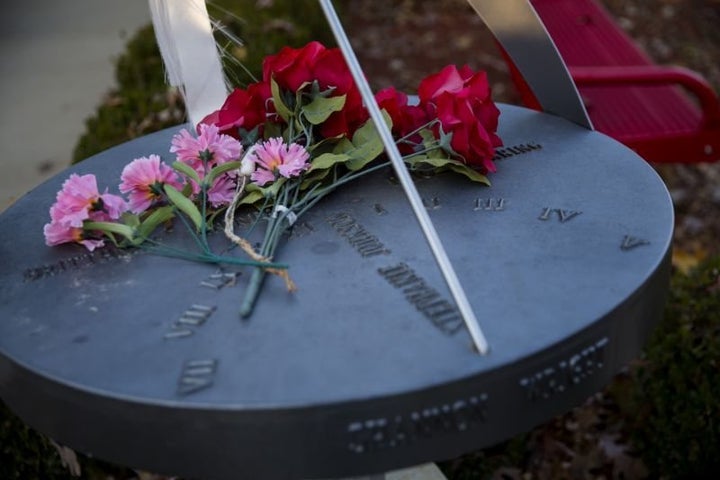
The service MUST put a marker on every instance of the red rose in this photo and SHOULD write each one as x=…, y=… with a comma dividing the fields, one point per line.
x=405, y=118
x=331, y=71
x=291, y=67
x=470, y=139
x=245, y=109
x=460, y=99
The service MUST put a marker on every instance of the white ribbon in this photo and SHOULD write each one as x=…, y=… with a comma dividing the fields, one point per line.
x=192, y=63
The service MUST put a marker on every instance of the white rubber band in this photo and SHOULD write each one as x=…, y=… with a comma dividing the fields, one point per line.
x=289, y=215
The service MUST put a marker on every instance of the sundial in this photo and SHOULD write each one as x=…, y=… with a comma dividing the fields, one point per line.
x=143, y=360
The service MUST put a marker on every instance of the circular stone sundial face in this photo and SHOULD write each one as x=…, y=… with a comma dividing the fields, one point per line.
x=144, y=360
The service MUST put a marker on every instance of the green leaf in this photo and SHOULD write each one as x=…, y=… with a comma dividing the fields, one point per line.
x=470, y=173
x=186, y=170
x=436, y=162
x=111, y=227
x=130, y=219
x=312, y=178
x=328, y=160
x=280, y=107
x=184, y=204
x=157, y=217
x=219, y=170
x=317, y=111
x=367, y=143
x=251, y=198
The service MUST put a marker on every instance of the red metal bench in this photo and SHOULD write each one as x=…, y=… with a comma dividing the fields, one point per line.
x=665, y=114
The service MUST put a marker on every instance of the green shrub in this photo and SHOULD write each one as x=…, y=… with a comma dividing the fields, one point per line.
x=143, y=103
x=25, y=455
x=677, y=429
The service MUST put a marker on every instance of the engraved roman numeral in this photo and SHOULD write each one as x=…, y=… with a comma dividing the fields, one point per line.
x=220, y=280
x=630, y=242
x=562, y=214
x=196, y=375
x=491, y=204
x=191, y=318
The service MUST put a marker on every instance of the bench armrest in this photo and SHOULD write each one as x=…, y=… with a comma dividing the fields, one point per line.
x=654, y=75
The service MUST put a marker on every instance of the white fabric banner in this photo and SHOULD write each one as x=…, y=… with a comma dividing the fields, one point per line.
x=184, y=35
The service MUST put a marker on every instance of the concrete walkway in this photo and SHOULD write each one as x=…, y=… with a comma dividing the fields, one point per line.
x=56, y=64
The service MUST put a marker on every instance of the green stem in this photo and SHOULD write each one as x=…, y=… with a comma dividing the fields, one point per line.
x=252, y=292
x=191, y=229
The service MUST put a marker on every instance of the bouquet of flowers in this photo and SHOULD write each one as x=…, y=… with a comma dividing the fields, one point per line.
x=279, y=146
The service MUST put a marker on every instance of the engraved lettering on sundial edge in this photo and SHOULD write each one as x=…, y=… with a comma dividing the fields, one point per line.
x=75, y=262
x=428, y=301
x=432, y=203
x=220, y=279
x=562, y=214
x=375, y=434
x=629, y=242
x=558, y=378
x=189, y=321
x=366, y=244
x=507, y=152
x=490, y=204
x=196, y=375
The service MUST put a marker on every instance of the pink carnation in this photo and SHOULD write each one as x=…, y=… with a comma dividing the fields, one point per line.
x=79, y=200
x=222, y=190
x=57, y=233
x=209, y=148
x=143, y=180
x=274, y=157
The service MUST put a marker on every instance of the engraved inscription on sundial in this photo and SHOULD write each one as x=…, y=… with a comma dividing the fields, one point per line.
x=428, y=301
x=513, y=150
x=489, y=204
x=364, y=242
x=629, y=242
x=196, y=375
x=556, y=379
x=563, y=215
x=403, y=429
x=191, y=318
x=75, y=262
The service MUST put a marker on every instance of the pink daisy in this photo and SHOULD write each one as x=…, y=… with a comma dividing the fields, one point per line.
x=210, y=147
x=80, y=200
x=274, y=157
x=143, y=180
